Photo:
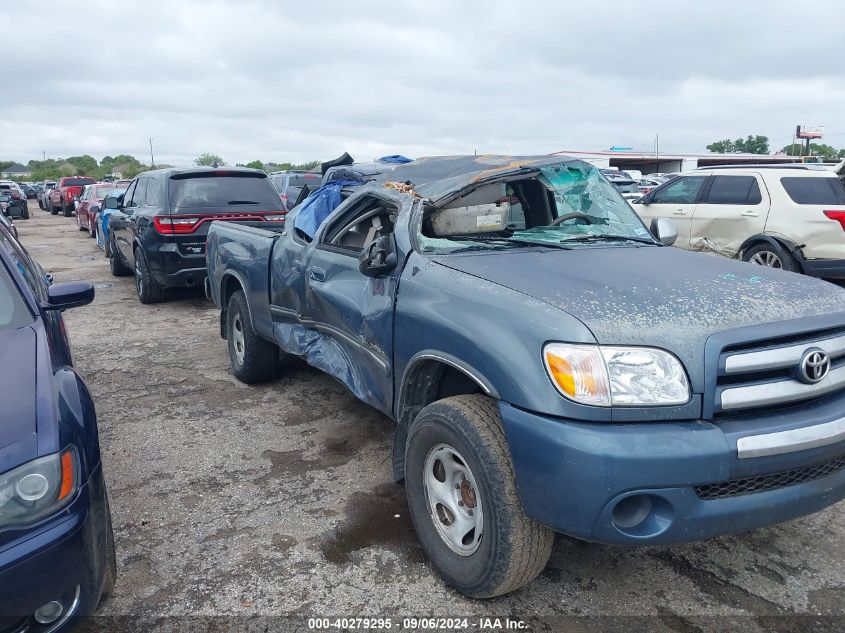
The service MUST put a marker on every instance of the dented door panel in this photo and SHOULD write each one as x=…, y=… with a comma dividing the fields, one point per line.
x=722, y=225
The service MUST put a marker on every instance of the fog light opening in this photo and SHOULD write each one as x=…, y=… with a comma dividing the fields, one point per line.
x=632, y=511
x=49, y=613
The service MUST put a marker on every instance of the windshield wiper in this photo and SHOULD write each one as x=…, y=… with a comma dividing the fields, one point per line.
x=243, y=202
x=610, y=238
x=514, y=242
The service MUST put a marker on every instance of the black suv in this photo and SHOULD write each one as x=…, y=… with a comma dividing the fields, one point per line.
x=158, y=230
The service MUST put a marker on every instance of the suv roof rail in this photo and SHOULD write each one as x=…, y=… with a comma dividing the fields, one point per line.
x=809, y=166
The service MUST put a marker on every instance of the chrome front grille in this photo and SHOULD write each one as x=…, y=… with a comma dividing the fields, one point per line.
x=769, y=373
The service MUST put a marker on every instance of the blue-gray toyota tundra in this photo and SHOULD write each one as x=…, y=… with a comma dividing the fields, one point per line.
x=551, y=363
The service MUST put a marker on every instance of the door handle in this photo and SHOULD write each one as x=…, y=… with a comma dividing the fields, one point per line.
x=317, y=274
x=679, y=212
x=750, y=214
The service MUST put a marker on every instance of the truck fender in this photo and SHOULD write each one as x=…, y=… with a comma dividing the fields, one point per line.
x=778, y=241
x=405, y=413
x=230, y=277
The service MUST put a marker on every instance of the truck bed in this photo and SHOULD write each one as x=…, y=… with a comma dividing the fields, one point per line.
x=243, y=250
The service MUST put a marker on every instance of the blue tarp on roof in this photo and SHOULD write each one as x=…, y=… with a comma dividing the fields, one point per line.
x=394, y=159
x=320, y=204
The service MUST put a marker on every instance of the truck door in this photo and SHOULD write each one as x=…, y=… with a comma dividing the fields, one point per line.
x=353, y=313
x=732, y=209
x=676, y=201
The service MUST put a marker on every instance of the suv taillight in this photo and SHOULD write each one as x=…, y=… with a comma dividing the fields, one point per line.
x=174, y=225
x=839, y=216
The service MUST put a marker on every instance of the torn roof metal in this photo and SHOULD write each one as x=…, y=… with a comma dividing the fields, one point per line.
x=437, y=177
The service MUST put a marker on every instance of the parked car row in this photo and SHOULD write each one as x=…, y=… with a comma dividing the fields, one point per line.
x=13, y=200
x=527, y=360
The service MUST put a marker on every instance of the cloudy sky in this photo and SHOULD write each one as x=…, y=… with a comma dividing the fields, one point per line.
x=293, y=81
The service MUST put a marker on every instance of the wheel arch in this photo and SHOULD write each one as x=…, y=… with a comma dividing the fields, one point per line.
x=430, y=376
x=779, y=241
x=230, y=283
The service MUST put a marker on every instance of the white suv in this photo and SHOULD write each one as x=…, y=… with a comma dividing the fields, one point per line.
x=784, y=217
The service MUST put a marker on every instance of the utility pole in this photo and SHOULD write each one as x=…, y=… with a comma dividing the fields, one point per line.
x=152, y=160
x=657, y=145
x=44, y=154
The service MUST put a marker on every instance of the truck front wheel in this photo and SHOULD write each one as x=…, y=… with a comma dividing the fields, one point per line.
x=253, y=358
x=463, y=499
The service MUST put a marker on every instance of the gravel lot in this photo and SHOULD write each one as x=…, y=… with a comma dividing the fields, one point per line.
x=277, y=499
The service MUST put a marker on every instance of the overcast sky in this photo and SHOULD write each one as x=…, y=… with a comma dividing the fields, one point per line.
x=292, y=81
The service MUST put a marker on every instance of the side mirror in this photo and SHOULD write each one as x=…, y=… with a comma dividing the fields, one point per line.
x=111, y=203
x=664, y=230
x=68, y=294
x=378, y=257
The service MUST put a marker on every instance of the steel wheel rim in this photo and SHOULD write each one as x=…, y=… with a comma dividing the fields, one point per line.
x=766, y=258
x=454, y=504
x=238, y=338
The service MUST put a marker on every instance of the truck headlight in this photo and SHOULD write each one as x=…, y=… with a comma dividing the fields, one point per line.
x=38, y=488
x=610, y=375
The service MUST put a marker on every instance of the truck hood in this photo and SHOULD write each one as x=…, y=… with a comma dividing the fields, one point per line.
x=17, y=394
x=658, y=296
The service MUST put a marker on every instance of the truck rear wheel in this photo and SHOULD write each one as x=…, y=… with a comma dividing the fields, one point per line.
x=463, y=499
x=253, y=358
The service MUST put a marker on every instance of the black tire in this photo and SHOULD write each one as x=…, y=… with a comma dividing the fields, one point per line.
x=25, y=214
x=514, y=548
x=110, y=573
x=107, y=248
x=67, y=211
x=53, y=210
x=147, y=288
x=259, y=358
x=775, y=253
x=40, y=204
x=117, y=267
x=92, y=229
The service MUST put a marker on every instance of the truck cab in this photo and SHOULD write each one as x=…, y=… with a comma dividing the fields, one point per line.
x=551, y=363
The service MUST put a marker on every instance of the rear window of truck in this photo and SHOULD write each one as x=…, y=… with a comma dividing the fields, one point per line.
x=216, y=189
x=77, y=182
x=814, y=190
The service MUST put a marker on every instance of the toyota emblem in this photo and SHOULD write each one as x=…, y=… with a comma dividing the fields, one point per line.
x=814, y=366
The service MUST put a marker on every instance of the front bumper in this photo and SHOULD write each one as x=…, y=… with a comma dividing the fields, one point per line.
x=59, y=560
x=825, y=268
x=642, y=483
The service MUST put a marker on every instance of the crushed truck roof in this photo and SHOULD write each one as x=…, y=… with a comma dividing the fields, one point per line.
x=436, y=177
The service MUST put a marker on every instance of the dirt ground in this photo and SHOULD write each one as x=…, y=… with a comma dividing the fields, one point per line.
x=277, y=499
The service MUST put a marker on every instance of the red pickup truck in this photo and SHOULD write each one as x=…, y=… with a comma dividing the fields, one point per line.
x=61, y=198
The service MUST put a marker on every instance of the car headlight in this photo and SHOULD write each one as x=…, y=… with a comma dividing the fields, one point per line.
x=610, y=375
x=38, y=488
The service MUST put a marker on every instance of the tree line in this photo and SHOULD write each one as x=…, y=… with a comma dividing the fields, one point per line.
x=128, y=166
x=758, y=144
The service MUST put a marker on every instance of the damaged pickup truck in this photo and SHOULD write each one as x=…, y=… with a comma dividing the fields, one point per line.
x=550, y=363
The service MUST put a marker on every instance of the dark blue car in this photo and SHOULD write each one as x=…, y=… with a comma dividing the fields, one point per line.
x=56, y=544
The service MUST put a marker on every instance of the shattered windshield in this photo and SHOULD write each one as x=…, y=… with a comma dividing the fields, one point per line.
x=567, y=205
